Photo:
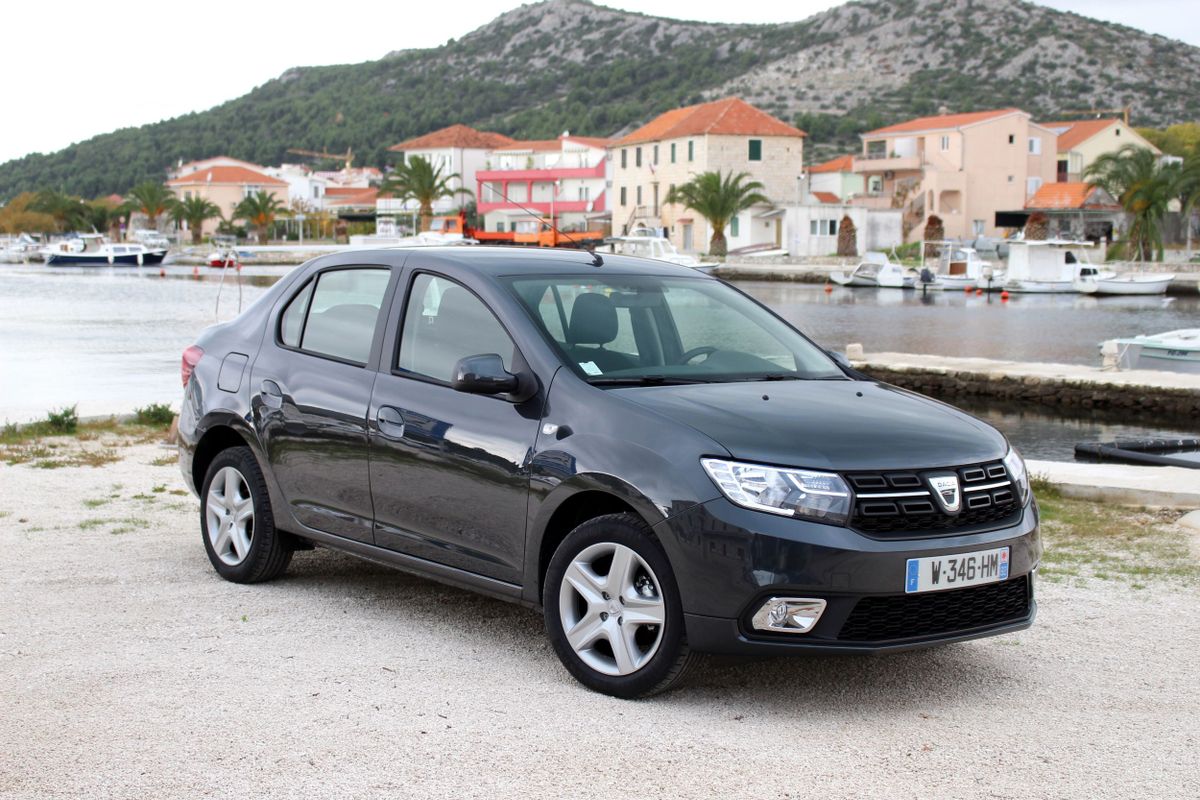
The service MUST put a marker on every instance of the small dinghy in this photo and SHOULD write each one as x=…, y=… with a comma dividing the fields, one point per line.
x=1177, y=351
x=1154, y=452
x=1125, y=284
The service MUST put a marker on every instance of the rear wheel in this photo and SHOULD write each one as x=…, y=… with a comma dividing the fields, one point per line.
x=236, y=522
x=612, y=609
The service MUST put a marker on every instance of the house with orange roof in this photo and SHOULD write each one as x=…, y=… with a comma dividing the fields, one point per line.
x=727, y=135
x=963, y=168
x=226, y=186
x=1081, y=142
x=183, y=168
x=837, y=177
x=563, y=180
x=457, y=150
x=1077, y=210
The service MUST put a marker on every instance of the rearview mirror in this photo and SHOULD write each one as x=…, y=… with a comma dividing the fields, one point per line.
x=483, y=374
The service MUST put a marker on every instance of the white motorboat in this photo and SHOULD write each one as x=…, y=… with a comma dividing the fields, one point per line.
x=1050, y=266
x=1126, y=283
x=961, y=267
x=1177, y=351
x=20, y=248
x=876, y=269
x=645, y=243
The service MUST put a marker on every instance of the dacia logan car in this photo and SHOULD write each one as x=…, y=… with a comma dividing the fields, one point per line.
x=654, y=459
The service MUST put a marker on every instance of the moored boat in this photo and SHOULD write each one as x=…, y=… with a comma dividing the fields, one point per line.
x=961, y=267
x=1050, y=266
x=91, y=249
x=1127, y=283
x=645, y=243
x=1177, y=351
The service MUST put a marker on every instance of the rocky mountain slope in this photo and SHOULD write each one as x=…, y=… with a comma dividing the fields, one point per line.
x=570, y=64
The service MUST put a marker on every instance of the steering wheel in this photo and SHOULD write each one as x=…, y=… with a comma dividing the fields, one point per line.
x=705, y=350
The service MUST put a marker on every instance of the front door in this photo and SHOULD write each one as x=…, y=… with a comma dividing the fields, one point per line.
x=450, y=470
x=311, y=387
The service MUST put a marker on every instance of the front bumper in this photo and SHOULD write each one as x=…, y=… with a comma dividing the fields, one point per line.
x=728, y=560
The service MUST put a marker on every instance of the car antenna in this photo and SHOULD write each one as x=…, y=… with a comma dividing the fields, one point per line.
x=597, y=261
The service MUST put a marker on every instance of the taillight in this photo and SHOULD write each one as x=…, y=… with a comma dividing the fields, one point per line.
x=191, y=357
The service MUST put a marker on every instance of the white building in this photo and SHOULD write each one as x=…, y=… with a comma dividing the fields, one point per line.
x=457, y=150
x=812, y=228
x=304, y=186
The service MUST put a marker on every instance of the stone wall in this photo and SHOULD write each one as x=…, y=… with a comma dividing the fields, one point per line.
x=1181, y=404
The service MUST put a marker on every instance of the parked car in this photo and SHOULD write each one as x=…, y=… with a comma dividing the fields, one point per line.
x=657, y=461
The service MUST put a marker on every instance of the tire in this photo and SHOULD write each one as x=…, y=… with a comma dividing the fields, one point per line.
x=649, y=657
x=242, y=549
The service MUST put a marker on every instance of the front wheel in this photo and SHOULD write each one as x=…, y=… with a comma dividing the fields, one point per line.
x=236, y=522
x=612, y=609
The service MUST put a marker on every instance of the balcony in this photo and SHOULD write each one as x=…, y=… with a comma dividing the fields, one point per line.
x=540, y=174
x=863, y=164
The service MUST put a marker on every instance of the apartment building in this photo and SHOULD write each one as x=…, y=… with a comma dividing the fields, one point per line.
x=1081, y=142
x=728, y=135
x=964, y=168
x=458, y=150
x=564, y=180
x=226, y=186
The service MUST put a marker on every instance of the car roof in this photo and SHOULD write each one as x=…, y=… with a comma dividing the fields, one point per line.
x=507, y=261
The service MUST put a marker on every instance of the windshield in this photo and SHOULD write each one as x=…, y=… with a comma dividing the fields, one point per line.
x=646, y=329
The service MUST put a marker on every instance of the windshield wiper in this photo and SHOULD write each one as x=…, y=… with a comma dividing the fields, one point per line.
x=788, y=376
x=643, y=380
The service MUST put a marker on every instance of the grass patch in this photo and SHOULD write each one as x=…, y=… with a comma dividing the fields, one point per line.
x=50, y=443
x=114, y=525
x=96, y=502
x=157, y=415
x=1094, y=541
x=165, y=461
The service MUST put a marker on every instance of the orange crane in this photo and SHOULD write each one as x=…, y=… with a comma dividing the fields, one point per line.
x=347, y=157
x=1096, y=112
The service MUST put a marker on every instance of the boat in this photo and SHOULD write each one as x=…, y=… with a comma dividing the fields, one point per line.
x=876, y=269
x=1126, y=283
x=961, y=267
x=1050, y=266
x=1153, y=452
x=19, y=249
x=645, y=243
x=91, y=249
x=1176, y=351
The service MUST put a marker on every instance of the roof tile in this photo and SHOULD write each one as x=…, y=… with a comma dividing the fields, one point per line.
x=455, y=136
x=237, y=175
x=729, y=117
x=840, y=164
x=1053, y=196
x=942, y=122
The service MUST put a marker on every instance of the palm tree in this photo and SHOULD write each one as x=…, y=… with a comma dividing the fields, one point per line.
x=259, y=211
x=150, y=198
x=103, y=216
x=417, y=179
x=718, y=199
x=1145, y=189
x=69, y=212
x=1188, y=189
x=195, y=211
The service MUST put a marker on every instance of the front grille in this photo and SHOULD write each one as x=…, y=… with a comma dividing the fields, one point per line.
x=896, y=503
x=904, y=616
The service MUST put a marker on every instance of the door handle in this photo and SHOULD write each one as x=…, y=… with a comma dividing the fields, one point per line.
x=271, y=394
x=390, y=422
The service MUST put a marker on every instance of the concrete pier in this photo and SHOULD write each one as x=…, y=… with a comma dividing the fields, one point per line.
x=1166, y=487
x=1172, y=394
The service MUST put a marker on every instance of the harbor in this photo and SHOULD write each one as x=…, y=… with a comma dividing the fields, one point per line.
x=109, y=340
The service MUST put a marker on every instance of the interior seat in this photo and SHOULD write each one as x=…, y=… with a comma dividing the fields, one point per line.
x=594, y=324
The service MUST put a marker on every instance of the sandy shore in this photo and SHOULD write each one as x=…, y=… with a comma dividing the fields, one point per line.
x=130, y=670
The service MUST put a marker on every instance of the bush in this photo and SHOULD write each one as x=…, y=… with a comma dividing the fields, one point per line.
x=64, y=420
x=158, y=414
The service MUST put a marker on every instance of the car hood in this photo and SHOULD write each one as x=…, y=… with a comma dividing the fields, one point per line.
x=839, y=425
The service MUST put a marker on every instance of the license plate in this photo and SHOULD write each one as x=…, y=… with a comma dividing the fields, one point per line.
x=936, y=573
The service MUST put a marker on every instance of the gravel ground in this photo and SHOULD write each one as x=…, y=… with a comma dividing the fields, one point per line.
x=129, y=669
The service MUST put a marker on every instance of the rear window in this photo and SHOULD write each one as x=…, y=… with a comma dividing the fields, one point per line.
x=335, y=315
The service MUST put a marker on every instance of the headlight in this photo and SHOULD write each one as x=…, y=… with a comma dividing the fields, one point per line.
x=819, y=496
x=1016, y=470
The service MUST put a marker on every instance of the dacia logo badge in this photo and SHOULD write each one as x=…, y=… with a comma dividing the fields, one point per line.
x=945, y=489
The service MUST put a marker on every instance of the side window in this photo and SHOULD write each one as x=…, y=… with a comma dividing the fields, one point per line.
x=444, y=322
x=342, y=313
x=291, y=322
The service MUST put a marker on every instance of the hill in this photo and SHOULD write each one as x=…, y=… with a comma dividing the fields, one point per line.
x=570, y=64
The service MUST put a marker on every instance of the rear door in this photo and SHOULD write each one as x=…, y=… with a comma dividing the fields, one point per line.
x=449, y=470
x=311, y=388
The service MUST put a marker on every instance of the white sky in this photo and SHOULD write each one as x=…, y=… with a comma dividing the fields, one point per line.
x=77, y=69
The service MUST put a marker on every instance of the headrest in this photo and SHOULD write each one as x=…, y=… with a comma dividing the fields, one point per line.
x=593, y=320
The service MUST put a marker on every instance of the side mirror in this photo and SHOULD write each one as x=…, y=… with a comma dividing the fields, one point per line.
x=483, y=374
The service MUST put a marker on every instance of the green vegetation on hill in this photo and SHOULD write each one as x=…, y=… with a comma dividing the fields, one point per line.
x=569, y=64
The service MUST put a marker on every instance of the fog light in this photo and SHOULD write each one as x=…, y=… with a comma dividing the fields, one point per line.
x=789, y=614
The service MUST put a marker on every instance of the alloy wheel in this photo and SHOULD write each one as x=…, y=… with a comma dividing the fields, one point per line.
x=611, y=608
x=229, y=516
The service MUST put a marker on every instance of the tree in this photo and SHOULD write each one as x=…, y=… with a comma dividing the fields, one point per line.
x=69, y=213
x=718, y=199
x=417, y=179
x=935, y=231
x=19, y=216
x=1188, y=190
x=259, y=211
x=195, y=211
x=150, y=198
x=1145, y=189
x=847, y=237
x=1037, y=227
x=103, y=216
